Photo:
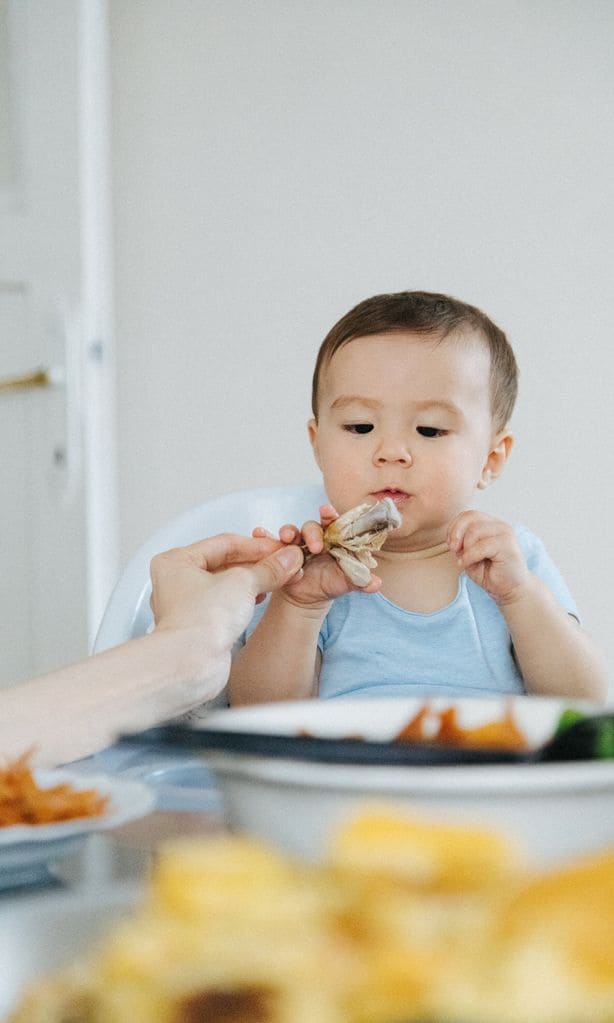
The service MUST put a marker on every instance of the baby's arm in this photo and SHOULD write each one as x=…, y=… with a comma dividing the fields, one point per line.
x=280, y=660
x=555, y=655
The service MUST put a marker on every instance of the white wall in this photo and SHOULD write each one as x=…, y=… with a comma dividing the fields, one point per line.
x=276, y=162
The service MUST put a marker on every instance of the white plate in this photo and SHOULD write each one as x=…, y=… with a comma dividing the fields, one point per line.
x=26, y=850
x=554, y=810
x=380, y=719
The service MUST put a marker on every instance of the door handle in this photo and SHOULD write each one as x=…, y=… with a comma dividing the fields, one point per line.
x=30, y=381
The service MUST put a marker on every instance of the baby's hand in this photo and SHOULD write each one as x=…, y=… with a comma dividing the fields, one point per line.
x=321, y=579
x=488, y=551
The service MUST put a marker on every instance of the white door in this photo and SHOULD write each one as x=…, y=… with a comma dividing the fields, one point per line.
x=46, y=443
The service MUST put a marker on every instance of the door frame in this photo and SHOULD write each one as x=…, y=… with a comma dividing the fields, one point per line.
x=72, y=467
x=97, y=312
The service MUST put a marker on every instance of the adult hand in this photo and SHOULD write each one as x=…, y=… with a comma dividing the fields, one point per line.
x=203, y=597
x=213, y=585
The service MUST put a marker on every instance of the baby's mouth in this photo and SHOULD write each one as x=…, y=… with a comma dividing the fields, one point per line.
x=398, y=496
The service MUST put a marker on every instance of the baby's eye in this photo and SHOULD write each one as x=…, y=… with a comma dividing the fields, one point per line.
x=431, y=431
x=358, y=427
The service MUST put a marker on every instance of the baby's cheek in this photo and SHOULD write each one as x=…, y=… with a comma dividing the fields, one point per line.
x=453, y=487
x=345, y=491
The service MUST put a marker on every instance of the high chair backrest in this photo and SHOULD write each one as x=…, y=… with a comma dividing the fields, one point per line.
x=128, y=613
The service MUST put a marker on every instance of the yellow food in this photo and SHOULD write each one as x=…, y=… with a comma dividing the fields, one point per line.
x=405, y=920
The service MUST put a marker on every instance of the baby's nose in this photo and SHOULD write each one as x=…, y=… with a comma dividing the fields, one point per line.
x=393, y=449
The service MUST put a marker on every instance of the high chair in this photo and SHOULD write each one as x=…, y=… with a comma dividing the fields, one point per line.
x=128, y=614
x=185, y=783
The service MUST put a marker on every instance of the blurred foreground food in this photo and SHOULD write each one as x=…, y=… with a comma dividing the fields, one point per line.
x=406, y=920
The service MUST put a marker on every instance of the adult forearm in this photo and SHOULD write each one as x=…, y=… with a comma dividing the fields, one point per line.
x=79, y=710
x=555, y=655
x=279, y=660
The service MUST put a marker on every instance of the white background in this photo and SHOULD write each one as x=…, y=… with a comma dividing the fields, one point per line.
x=276, y=162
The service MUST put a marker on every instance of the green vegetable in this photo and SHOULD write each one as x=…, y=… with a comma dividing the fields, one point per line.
x=604, y=740
x=568, y=718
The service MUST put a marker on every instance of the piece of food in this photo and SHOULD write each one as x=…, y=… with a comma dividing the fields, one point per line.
x=24, y=801
x=441, y=726
x=354, y=536
x=430, y=725
x=407, y=920
x=583, y=737
x=544, y=957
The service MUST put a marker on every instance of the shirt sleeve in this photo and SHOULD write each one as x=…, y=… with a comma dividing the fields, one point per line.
x=542, y=565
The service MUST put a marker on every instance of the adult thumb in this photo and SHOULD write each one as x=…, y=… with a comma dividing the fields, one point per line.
x=275, y=571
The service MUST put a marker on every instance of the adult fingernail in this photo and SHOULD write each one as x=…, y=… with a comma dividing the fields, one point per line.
x=290, y=557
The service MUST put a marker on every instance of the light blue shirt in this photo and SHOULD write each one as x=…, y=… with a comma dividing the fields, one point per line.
x=372, y=647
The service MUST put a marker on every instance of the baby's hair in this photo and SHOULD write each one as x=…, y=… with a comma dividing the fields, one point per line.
x=423, y=312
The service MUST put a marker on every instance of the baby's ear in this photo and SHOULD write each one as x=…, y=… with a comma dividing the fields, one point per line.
x=312, y=431
x=497, y=457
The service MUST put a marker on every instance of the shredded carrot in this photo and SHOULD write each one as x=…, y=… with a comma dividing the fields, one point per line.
x=413, y=730
x=23, y=801
x=501, y=734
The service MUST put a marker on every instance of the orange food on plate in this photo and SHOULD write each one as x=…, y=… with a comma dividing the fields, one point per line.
x=23, y=801
x=430, y=725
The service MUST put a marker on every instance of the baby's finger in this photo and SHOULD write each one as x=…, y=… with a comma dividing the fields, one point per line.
x=458, y=529
x=489, y=528
x=260, y=531
x=486, y=548
x=313, y=536
x=290, y=534
x=328, y=514
x=374, y=584
x=470, y=526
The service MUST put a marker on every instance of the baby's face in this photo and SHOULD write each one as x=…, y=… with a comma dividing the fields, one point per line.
x=406, y=417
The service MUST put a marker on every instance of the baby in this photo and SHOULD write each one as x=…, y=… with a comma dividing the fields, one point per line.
x=412, y=395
